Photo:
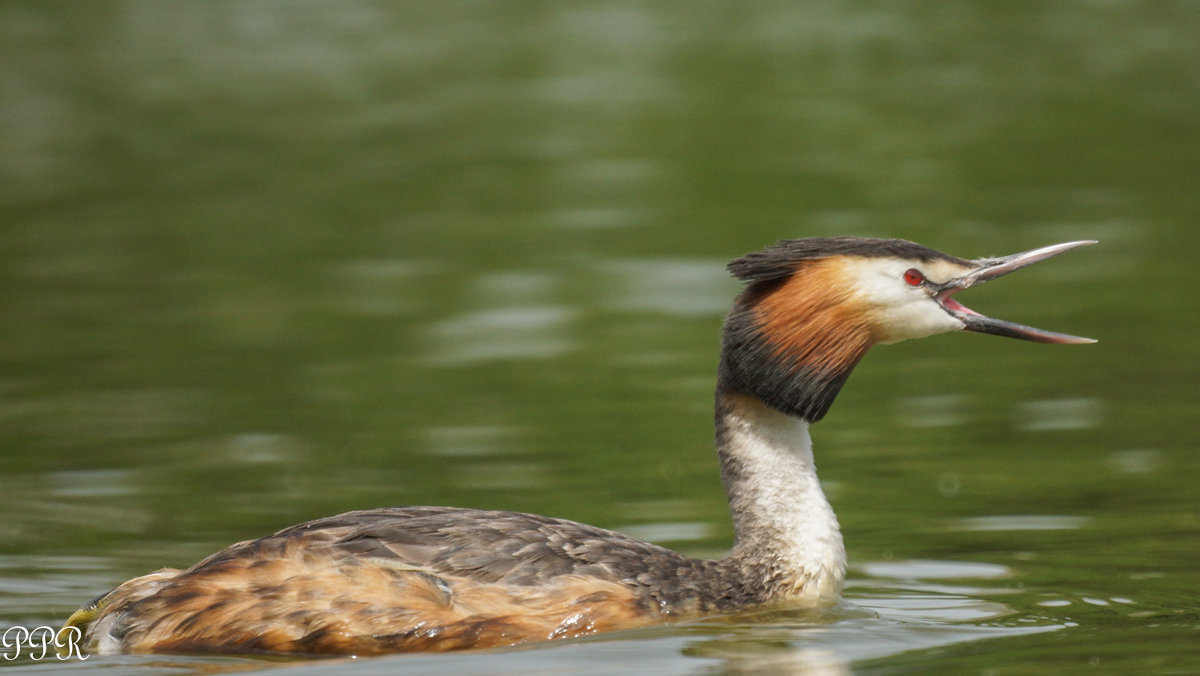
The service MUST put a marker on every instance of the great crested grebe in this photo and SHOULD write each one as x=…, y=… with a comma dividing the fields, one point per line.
x=445, y=578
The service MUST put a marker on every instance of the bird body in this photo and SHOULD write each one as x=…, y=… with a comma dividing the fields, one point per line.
x=400, y=579
x=441, y=578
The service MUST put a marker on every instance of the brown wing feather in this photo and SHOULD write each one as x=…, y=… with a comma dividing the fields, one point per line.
x=420, y=578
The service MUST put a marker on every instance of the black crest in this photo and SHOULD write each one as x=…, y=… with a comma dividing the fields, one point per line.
x=780, y=259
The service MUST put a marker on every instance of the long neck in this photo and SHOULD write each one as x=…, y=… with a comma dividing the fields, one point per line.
x=788, y=546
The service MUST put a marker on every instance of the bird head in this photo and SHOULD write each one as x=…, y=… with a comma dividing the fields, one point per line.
x=813, y=307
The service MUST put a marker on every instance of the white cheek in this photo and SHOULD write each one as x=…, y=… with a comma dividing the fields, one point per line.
x=900, y=312
x=917, y=319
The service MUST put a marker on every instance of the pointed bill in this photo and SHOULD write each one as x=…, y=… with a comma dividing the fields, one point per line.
x=991, y=268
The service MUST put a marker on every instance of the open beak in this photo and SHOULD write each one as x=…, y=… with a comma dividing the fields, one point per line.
x=991, y=268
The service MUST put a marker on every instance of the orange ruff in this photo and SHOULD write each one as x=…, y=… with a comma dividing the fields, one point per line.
x=811, y=319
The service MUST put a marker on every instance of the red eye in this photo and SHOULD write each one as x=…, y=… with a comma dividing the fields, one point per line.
x=914, y=277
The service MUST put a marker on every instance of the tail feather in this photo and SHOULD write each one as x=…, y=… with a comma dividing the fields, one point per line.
x=101, y=631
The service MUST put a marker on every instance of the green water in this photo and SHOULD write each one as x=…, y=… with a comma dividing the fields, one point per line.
x=263, y=262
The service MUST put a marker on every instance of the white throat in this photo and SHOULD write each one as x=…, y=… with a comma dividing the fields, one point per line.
x=783, y=522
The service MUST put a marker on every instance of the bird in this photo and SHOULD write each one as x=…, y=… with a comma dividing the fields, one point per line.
x=408, y=579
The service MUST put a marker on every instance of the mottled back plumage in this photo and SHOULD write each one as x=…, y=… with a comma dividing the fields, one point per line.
x=439, y=578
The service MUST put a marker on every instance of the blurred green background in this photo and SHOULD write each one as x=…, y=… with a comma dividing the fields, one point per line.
x=266, y=261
